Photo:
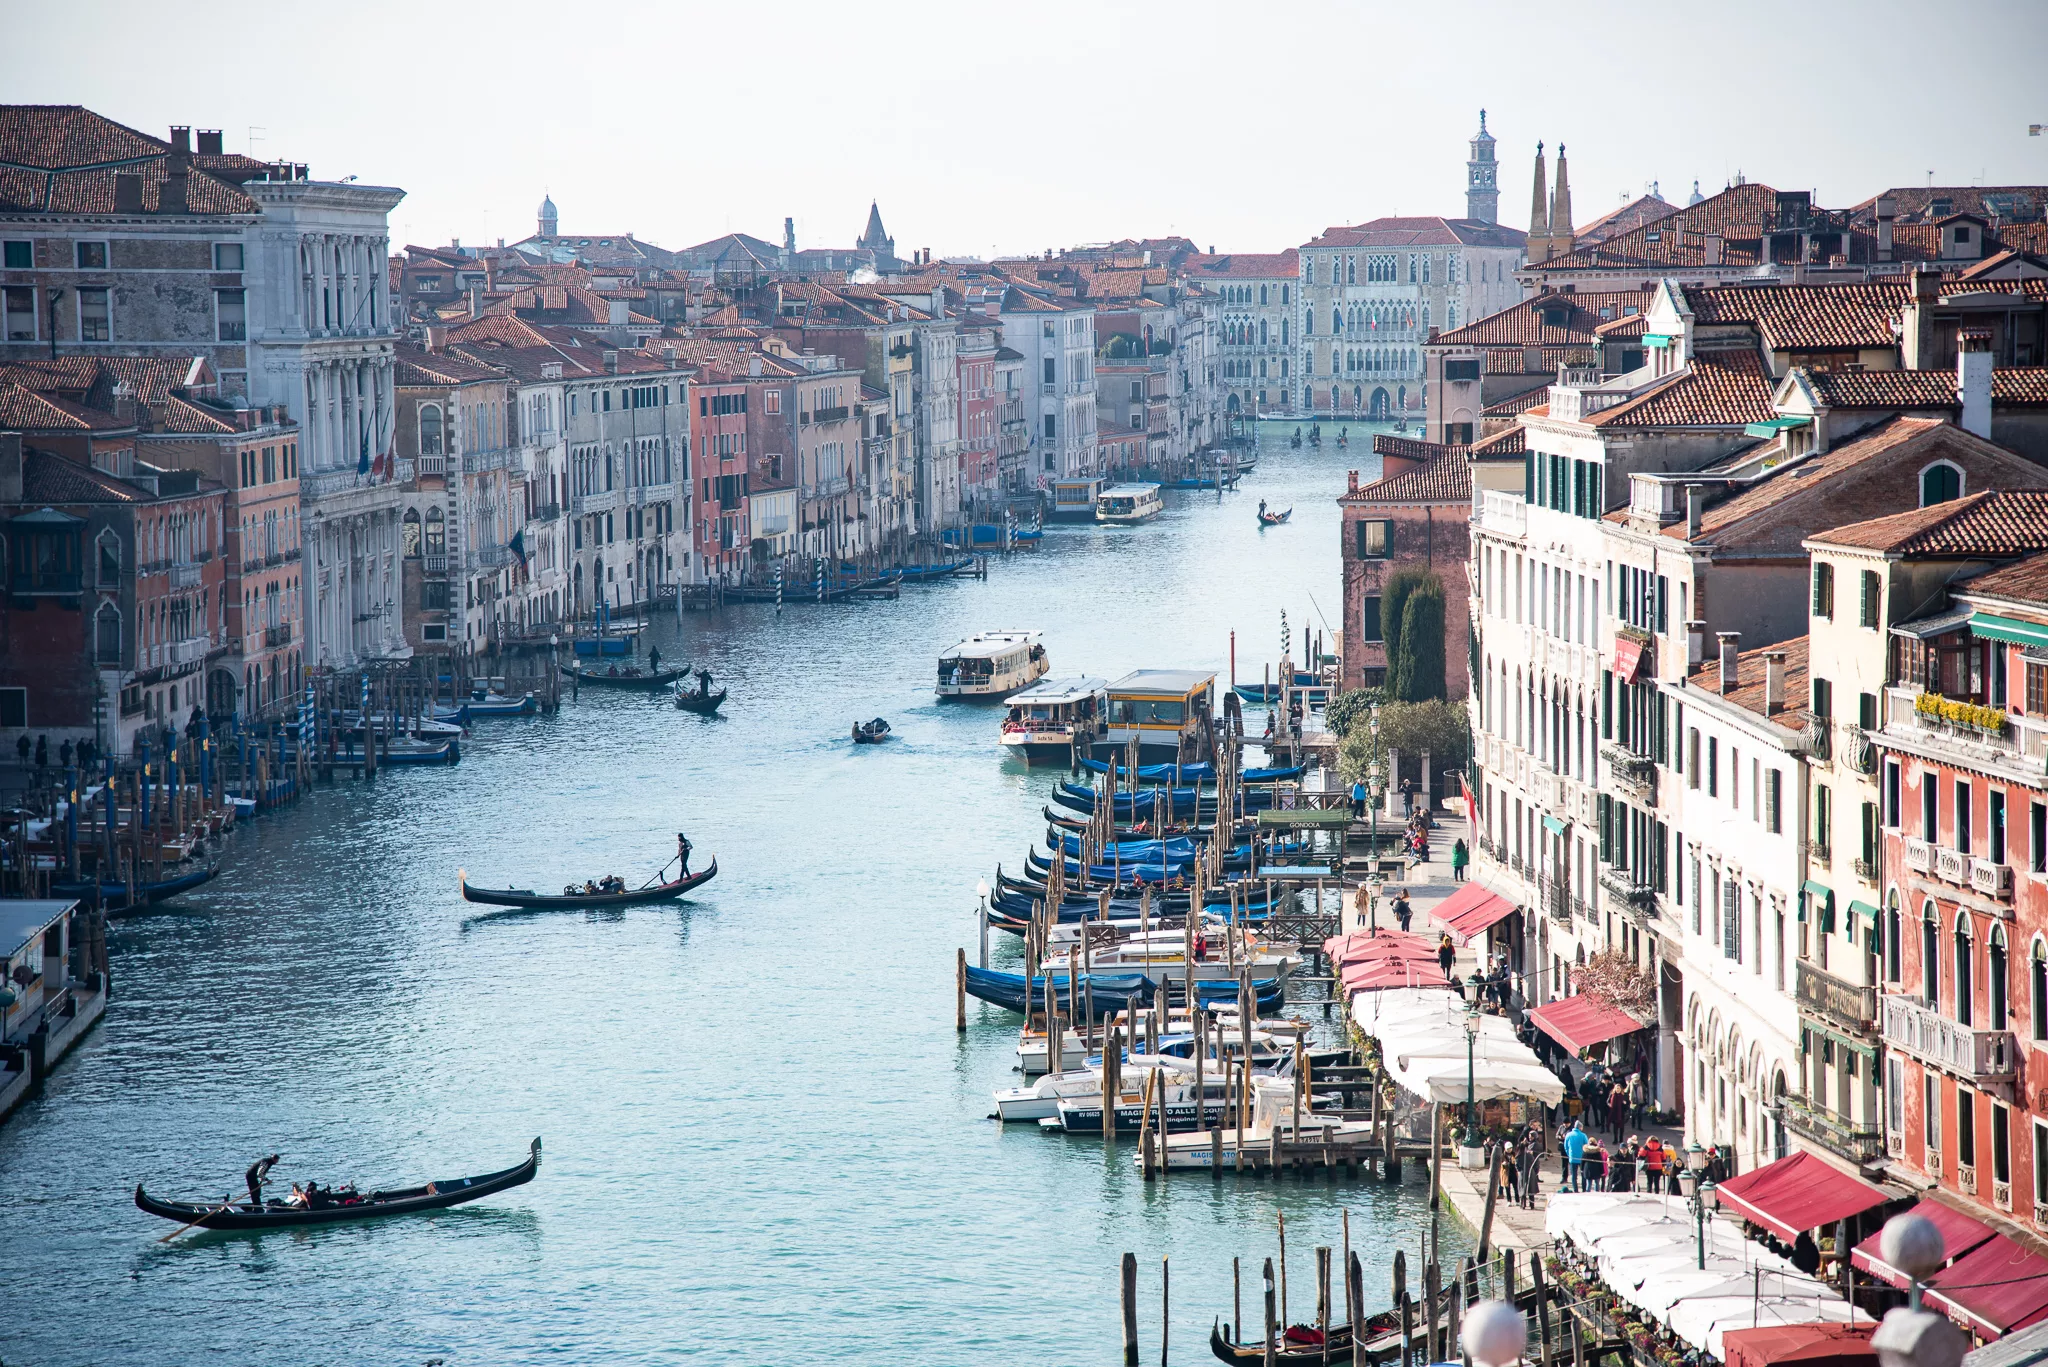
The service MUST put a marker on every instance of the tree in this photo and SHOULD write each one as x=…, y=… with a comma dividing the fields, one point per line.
x=1419, y=675
x=1394, y=595
x=1348, y=709
x=1442, y=728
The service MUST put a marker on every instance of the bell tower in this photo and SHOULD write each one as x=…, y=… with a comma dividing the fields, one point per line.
x=1482, y=192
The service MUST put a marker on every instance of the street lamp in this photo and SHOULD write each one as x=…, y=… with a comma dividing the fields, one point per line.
x=1911, y=1336
x=1470, y=1145
x=1701, y=1189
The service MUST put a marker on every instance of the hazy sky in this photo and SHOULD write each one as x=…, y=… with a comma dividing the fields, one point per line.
x=985, y=129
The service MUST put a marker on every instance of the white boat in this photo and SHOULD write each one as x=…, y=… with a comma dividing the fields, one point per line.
x=1041, y=1100
x=993, y=664
x=1273, y=1111
x=1055, y=719
x=1126, y=505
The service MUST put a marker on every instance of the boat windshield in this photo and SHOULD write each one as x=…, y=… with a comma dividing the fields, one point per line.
x=1141, y=711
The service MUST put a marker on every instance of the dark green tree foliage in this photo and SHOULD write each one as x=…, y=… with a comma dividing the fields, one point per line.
x=1420, y=673
x=1349, y=709
x=1394, y=594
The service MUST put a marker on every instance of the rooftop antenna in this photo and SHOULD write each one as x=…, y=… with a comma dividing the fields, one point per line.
x=254, y=131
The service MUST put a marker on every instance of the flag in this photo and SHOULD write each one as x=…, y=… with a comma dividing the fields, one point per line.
x=517, y=545
x=363, y=453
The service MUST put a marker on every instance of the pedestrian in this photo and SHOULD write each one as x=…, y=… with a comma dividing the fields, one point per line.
x=21, y=748
x=1460, y=857
x=1402, y=911
x=1575, y=1141
x=1407, y=797
x=1638, y=1099
x=1358, y=800
x=64, y=755
x=1653, y=1165
x=1511, y=1172
x=1446, y=953
x=42, y=753
x=1617, y=1110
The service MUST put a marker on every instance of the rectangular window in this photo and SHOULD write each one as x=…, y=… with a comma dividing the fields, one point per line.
x=227, y=256
x=1692, y=758
x=94, y=322
x=1963, y=817
x=1375, y=539
x=1823, y=698
x=1369, y=618
x=1824, y=590
x=1930, y=1107
x=18, y=313
x=2037, y=689
x=92, y=256
x=231, y=315
x=1873, y=592
x=18, y=256
x=13, y=701
x=1823, y=819
x=1994, y=826
x=1930, y=804
x=1891, y=794
x=1966, y=1127
x=1713, y=767
x=1774, y=799
x=2037, y=843
x=2001, y=1143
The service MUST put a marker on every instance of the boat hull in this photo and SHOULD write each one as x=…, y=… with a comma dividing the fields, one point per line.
x=521, y=897
x=407, y=1201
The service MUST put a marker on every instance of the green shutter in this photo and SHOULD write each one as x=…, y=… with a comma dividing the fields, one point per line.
x=1606, y=829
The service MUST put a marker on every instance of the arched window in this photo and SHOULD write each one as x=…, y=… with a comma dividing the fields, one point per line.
x=107, y=634
x=430, y=429
x=1336, y=320
x=1966, y=971
x=109, y=545
x=1930, y=955
x=1940, y=482
x=409, y=532
x=437, y=533
x=2037, y=989
x=1996, y=969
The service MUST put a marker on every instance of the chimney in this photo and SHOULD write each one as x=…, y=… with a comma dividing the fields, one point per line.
x=616, y=311
x=1532, y=361
x=1695, y=644
x=124, y=404
x=127, y=193
x=181, y=139
x=938, y=301
x=1774, y=682
x=611, y=361
x=170, y=196
x=476, y=301
x=437, y=339
x=209, y=142
x=1973, y=380
x=1710, y=250
x=1695, y=506
x=1731, y=644
x=753, y=367
x=1354, y=477
x=1887, y=211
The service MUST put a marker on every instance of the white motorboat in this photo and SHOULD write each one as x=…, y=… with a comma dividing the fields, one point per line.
x=1055, y=719
x=1126, y=505
x=992, y=664
x=1041, y=1100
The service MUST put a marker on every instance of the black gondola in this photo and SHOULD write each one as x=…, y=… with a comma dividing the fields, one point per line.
x=526, y=897
x=870, y=732
x=653, y=678
x=114, y=896
x=703, y=704
x=402, y=1201
x=1299, y=1348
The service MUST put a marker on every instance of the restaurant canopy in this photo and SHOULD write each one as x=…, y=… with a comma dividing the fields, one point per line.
x=1798, y=1194
x=1994, y=1287
x=1583, y=1021
x=1846, y=1345
x=1424, y=1047
x=1470, y=910
x=1959, y=1234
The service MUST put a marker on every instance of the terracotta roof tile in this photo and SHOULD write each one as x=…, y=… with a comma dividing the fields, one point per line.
x=62, y=159
x=1511, y=442
x=47, y=478
x=1917, y=389
x=1807, y=317
x=181, y=416
x=1737, y=215
x=1516, y=404
x=1718, y=389
x=1525, y=323
x=1748, y=692
x=1988, y=523
x=1246, y=266
x=1420, y=232
x=25, y=410
x=2024, y=581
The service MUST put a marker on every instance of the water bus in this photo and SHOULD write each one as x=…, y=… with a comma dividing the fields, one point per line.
x=1056, y=719
x=993, y=664
x=1126, y=505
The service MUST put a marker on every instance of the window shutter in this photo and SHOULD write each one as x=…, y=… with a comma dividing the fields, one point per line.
x=1731, y=918
x=1358, y=552
x=1389, y=525
x=1606, y=829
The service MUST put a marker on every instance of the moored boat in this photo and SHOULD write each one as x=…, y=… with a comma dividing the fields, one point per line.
x=1126, y=505
x=399, y=1201
x=631, y=676
x=992, y=664
x=1055, y=719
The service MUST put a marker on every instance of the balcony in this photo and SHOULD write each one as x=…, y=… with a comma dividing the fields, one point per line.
x=1856, y=751
x=477, y=462
x=827, y=488
x=831, y=414
x=1504, y=513
x=1837, y=1134
x=1635, y=775
x=432, y=563
x=1919, y=855
x=1866, y=869
x=280, y=635
x=184, y=576
x=490, y=557
x=1951, y=866
x=547, y=512
x=1621, y=885
x=1557, y=902
x=1993, y=880
x=435, y=466
x=1826, y=995
x=1916, y=1029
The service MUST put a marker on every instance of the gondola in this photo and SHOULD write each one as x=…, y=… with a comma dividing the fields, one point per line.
x=1267, y=519
x=702, y=703
x=870, y=732
x=525, y=897
x=114, y=896
x=402, y=1201
x=1111, y=992
x=1298, y=1348
x=660, y=678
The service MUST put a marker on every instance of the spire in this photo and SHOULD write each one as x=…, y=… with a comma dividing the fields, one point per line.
x=874, y=236
x=788, y=244
x=1539, y=214
x=1561, y=237
x=1482, y=191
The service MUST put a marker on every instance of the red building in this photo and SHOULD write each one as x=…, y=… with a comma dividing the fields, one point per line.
x=979, y=411
x=1415, y=516
x=1963, y=939
x=718, y=436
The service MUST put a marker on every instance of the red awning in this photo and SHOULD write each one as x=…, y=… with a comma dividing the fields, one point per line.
x=1995, y=1287
x=1581, y=1022
x=1797, y=1194
x=1847, y=1345
x=1369, y=977
x=1628, y=659
x=1470, y=910
x=1959, y=1234
x=1362, y=945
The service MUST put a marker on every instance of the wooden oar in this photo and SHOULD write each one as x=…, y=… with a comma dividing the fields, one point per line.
x=226, y=1203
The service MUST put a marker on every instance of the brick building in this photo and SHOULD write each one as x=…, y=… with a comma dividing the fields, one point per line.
x=1415, y=516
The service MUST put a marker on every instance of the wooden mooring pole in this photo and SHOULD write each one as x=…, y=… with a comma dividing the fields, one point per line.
x=1130, y=1308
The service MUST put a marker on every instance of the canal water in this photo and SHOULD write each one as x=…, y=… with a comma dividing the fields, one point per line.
x=763, y=1140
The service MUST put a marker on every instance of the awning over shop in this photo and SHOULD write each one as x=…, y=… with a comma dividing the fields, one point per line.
x=1994, y=1287
x=1797, y=1194
x=1959, y=1234
x=1424, y=1046
x=1470, y=910
x=1628, y=658
x=1865, y=908
x=1842, y=1345
x=1553, y=825
x=1991, y=626
x=1581, y=1022
x=1368, y=962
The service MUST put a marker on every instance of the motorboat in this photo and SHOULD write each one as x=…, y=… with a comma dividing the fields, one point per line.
x=1040, y=1100
x=1274, y=1113
x=1126, y=505
x=992, y=664
x=1055, y=719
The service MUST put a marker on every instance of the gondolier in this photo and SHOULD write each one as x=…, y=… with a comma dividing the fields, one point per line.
x=258, y=1172
x=683, y=850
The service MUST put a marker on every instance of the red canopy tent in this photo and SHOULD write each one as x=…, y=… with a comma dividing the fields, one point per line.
x=1994, y=1287
x=1372, y=975
x=1959, y=1234
x=1364, y=944
x=1797, y=1194
x=1581, y=1022
x=1470, y=910
x=1845, y=1344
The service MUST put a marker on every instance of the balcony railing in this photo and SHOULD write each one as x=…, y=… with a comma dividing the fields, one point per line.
x=490, y=557
x=1839, y=1135
x=1919, y=855
x=1823, y=993
x=432, y=563
x=279, y=635
x=184, y=576
x=1912, y=1027
x=477, y=462
x=1621, y=884
x=1951, y=866
x=1635, y=774
x=831, y=414
x=1857, y=752
x=1993, y=880
x=437, y=466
